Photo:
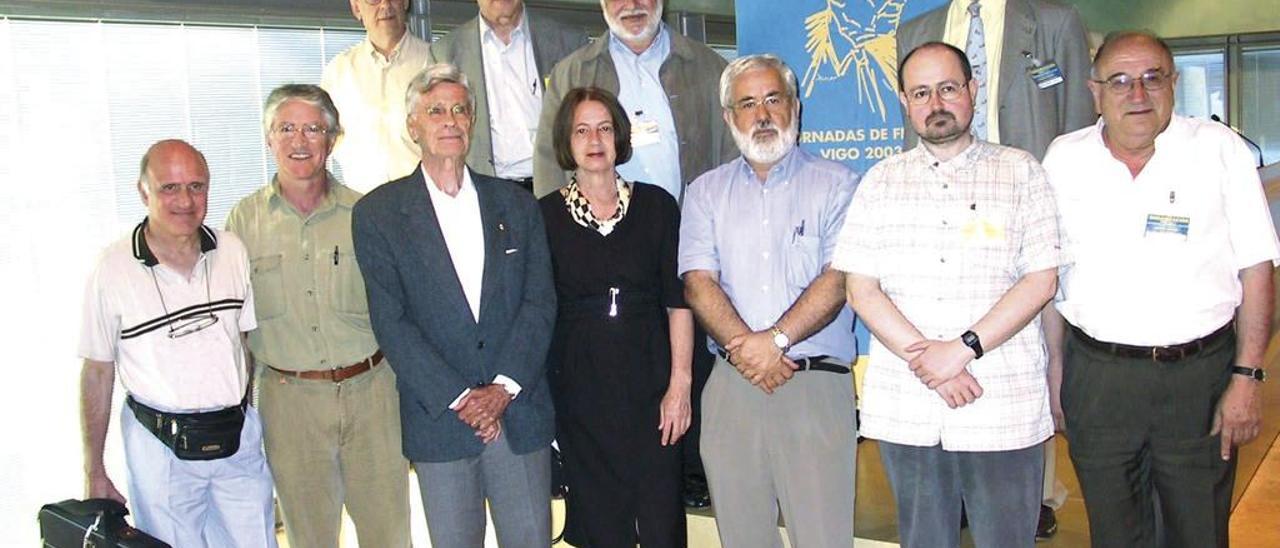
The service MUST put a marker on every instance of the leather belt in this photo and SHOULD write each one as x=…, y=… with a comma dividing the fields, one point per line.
x=811, y=363
x=337, y=374
x=1170, y=353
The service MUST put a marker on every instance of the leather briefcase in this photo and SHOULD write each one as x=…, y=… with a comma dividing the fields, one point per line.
x=96, y=523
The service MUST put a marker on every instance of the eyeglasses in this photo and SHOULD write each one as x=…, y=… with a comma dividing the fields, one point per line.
x=774, y=102
x=313, y=132
x=190, y=323
x=1152, y=80
x=459, y=109
x=949, y=92
x=376, y=2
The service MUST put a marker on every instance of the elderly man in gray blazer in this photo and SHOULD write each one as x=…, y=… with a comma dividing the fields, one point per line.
x=506, y=53
x=1031, y=102
x=461, y=300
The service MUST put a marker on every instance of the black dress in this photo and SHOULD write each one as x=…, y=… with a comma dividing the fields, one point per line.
x=610, y=371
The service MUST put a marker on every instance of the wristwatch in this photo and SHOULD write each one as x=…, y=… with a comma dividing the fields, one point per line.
x=780, y=339
x=970, y=339
x=1255, y=373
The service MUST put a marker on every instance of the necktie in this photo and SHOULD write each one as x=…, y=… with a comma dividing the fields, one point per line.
x=976, y=49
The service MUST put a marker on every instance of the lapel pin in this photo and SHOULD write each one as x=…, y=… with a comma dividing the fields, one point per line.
x=502, y=226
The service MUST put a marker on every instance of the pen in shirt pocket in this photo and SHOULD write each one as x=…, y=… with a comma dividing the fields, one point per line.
x=335, y=255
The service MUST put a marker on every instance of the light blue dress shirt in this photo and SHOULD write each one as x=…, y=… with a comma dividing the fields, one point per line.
x=643, y=98
x=769, y=241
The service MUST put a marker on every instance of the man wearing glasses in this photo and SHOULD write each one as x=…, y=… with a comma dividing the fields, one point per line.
x=951, y=250
x=367, y=82
x=1167, y=304
x=166, y=308
x=329, y=404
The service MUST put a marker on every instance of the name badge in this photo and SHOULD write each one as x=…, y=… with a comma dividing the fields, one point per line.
x=1168, y=227
x=1046, y=75
x=644, y=133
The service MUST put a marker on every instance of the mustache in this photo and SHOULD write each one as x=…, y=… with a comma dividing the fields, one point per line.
x=939, y=115
x=633, y=12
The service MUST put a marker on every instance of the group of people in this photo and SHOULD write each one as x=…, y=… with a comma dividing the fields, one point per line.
x=682, y=268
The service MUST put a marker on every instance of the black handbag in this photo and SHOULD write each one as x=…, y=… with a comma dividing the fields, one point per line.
x=96, y=523
x=194, y=436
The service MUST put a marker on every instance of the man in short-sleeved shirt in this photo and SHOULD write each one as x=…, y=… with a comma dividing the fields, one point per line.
x=952, y=249
x=1167, y=303
x=756, y=235
x=165, y=308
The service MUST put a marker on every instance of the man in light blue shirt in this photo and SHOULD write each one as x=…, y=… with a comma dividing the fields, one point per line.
x=756, y=239
x=654, y=143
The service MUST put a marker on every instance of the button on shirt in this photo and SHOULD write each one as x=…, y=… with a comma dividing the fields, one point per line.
x=368, y=89
x=131, y=302
x=1134, y=285
x=515, y=98
x=645, y=101
x=768, y=241
x=946, y=240
x=311, y=305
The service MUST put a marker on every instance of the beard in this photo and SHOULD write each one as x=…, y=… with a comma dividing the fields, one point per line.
x=935, y=134
x=646, y=34
x=769, y=150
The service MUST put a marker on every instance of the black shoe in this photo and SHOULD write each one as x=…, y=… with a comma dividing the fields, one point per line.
x=696, y=494
x=1047, y=525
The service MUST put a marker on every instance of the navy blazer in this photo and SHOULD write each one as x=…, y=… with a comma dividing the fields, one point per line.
x=424, y=325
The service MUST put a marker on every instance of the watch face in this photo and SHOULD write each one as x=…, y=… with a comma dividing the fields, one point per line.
x=781, y=340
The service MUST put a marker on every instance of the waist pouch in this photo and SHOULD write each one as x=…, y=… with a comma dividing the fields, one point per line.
x=194, y=436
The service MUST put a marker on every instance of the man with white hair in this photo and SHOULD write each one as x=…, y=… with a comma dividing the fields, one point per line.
x=661, y=79
x=756, y=240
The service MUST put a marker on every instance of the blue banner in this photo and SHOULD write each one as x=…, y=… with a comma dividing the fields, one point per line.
x=845, y=58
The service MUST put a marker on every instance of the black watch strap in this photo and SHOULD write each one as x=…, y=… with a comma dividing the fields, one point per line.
x=1256, y=374
x=970, y=339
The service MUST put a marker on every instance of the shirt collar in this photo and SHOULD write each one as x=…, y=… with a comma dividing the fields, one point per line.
x=335, y=196
x=1177, y=129
x=467, y=186
x=962, y=160
x=780, y=171
x=142, y=252
x=517, y=34
x=658, y=49
x=377, y=57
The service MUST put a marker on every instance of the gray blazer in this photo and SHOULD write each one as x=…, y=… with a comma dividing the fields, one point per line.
x=691, y=78
x=423, y=324
x=552, y=41
x=1030, y=118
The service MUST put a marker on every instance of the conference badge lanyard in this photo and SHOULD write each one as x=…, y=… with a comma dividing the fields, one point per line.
x=1045, y=74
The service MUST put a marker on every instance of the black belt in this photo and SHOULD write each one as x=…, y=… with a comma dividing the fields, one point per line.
x=811, y=363
x=608, y=305
x=1170, y=353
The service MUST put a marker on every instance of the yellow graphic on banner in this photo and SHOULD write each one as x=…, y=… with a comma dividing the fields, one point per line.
x=837, y=42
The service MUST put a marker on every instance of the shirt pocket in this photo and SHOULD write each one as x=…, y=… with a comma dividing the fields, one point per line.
x=267, y=278
x=803, y=258
x=346, y=285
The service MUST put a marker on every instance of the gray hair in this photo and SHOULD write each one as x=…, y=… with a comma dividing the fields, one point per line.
x=307, y=93
x=753, y=62
x=432, y=76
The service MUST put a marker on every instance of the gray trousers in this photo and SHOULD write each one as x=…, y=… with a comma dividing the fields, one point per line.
x=1001, y=491
x=517, y=487
x=796, y=448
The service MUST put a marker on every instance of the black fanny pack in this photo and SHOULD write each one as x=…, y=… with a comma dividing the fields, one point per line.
x=194, y=436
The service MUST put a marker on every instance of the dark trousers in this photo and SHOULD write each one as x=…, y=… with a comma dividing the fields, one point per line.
x=1139, y=428
x=1001, y=492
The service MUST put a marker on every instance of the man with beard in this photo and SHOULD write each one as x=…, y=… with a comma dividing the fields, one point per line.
x=756, y=238
x=661, y=79
x=951, y=250
x=367, y=83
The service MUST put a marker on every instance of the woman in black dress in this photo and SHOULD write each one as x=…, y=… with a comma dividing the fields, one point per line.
x=620, y=358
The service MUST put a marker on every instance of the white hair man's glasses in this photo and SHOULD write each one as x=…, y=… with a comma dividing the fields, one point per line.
x=774, y=102
x=313, y=132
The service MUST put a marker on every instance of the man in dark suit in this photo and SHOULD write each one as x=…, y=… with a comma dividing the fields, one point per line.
x=1024, y=41
x=506, y=53
x=461, y=300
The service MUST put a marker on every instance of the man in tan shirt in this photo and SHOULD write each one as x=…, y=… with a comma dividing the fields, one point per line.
x=328, y=400
x=367, y=83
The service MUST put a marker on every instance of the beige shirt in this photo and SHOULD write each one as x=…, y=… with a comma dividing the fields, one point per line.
x=314, y=314
x=369, y=91
x=957, y=34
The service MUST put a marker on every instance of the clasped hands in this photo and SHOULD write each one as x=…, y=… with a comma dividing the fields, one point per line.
x=941, y=366
x=760, y=361
x=482, y=409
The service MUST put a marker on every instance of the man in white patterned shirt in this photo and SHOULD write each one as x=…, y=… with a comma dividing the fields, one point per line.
x=951, y=249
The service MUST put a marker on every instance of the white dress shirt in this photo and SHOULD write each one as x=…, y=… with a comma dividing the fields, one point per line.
x=515, y=98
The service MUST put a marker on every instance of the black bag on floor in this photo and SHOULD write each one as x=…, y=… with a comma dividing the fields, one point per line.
x=96, y=523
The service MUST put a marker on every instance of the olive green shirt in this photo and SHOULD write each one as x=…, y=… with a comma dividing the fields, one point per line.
x=310, y=298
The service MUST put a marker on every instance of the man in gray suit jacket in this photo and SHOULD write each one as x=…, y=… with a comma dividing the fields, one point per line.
x=461, y=299
x=1031, y=110
x=506, y=53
